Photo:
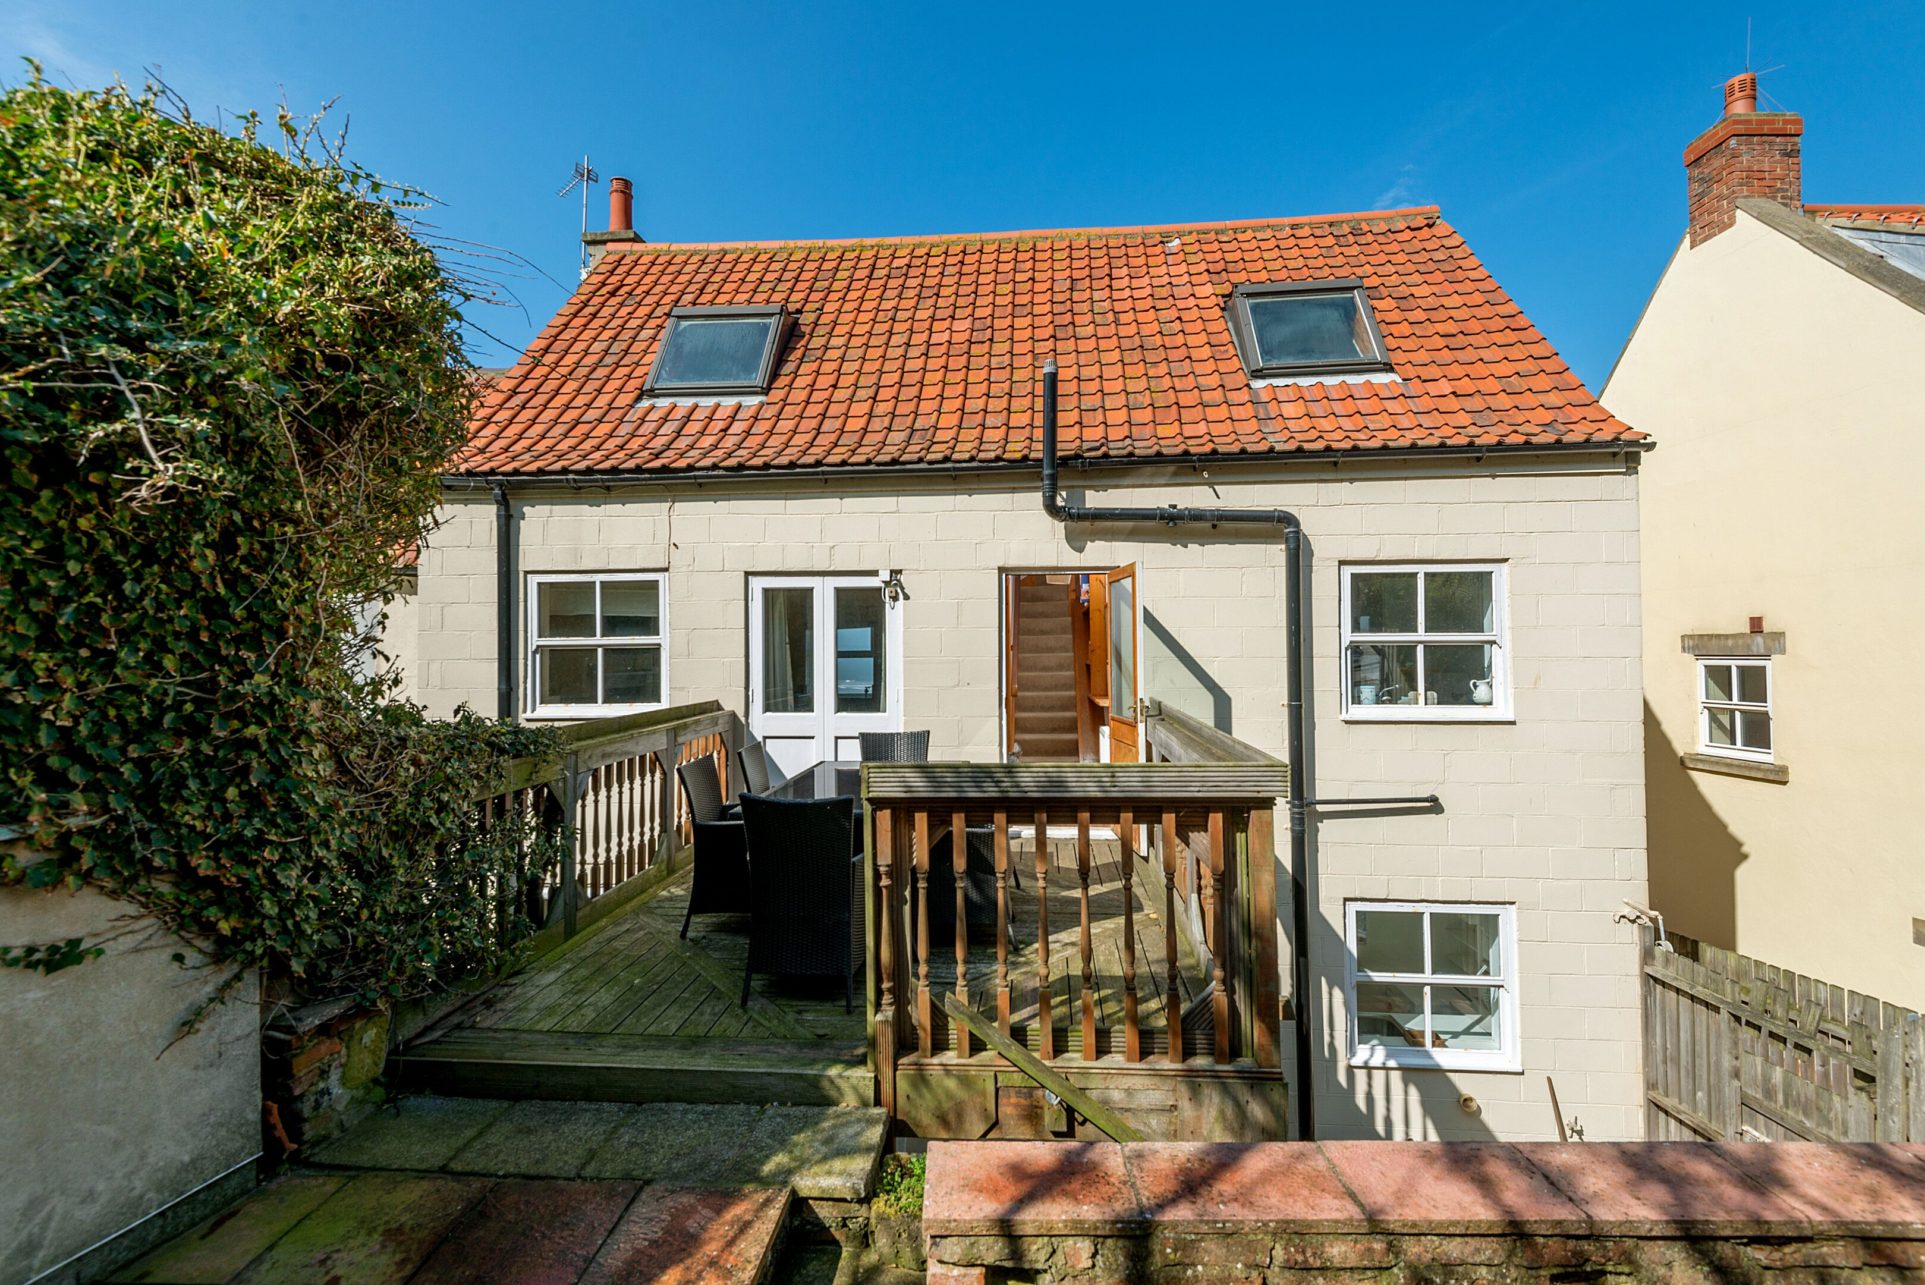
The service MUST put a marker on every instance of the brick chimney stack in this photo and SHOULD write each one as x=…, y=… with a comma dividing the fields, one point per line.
x=621, y=221
x=1747, y=153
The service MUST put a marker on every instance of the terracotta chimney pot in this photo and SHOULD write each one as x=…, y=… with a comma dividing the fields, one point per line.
x=1741, y=94
x=621, y=205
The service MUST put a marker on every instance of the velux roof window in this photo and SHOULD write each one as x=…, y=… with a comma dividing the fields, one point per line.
x=1311, y=328
x=719, y=350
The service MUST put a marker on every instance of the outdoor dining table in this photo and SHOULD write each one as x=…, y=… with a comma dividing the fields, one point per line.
x=829, y=779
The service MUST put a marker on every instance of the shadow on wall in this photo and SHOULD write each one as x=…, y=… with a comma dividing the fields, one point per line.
x=1694, y=858
x=1199, y=688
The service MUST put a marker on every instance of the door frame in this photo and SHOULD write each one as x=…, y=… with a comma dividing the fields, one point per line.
x=829, y=723
x=1005, y=626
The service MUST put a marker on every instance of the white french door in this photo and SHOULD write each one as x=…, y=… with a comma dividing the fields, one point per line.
x=825, y=665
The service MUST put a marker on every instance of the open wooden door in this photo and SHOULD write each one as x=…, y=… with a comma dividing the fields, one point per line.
x=1113, y=659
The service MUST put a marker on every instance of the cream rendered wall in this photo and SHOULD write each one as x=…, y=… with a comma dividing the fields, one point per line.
x=1784, y=395
x=1546, y=812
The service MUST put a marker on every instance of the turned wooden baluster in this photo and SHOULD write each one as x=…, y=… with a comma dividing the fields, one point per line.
x=925, y=1005
x=959, y=850
x=1002, y=922
x=1046, y=1034
x=1132, y=1035
x=1218, y=909
x=1084, y=944
x=1172, y=1001
x=886, y=959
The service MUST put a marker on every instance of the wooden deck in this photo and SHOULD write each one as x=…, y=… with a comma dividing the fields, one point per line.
x=630, y=1012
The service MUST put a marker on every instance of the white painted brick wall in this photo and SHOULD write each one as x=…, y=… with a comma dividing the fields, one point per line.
x=1546, y=812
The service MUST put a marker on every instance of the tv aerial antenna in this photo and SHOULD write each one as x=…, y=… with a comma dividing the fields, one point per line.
x=583, y=177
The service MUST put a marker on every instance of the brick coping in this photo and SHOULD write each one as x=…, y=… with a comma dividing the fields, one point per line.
x=1653, y=1189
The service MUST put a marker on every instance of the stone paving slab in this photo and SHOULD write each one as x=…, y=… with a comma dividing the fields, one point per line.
x=679, y=1236
x=376, y=1229
x=1205, y=1186
x=218, y=1249
x=1049, y=1188
x=1856, y=1188
x=1663, y=1188
x=681, y=1144
x=541, y=1139
x=821, y=1154
x=1461, y=1187
x=415, y=1133
x=530, y=1232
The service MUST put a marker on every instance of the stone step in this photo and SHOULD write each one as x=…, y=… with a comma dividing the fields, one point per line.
x=821, y=1153
x=485, y=1062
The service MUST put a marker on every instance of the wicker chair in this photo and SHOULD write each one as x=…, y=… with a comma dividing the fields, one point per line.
x=979, y=887
x=721, y=882
x=895, y=747
x=802, y=921
x=758, y=774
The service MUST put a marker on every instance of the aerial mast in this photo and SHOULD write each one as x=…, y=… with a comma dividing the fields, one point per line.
x=584, y=176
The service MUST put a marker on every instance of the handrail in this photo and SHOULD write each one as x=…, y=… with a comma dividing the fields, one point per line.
x=1178, y=737
x=608, y=797
x=1208, y=830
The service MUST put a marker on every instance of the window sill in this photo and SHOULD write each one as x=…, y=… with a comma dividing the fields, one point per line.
x=1427, y=714
x=1756, y=771
x=1379, y=1059
x=583, y=713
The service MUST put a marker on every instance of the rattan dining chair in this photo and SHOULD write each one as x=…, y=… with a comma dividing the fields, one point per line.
x=895, y=747
x=758, y=773
x=720, y=885
x=802, y=863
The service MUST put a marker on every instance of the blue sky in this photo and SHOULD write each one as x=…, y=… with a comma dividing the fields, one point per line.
x=1551, y=135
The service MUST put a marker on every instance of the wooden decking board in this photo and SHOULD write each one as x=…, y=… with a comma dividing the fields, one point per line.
x=630, y=1012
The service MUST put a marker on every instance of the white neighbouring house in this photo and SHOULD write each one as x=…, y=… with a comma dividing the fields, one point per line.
x=1779, y=361
x=802, y=479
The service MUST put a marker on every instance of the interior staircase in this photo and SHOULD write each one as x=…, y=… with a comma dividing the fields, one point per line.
x=1044, y=710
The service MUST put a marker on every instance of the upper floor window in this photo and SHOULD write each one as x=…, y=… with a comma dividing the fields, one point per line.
x=1432, y=984
x=1322, y=327
x=598, y=644
x=719, y=351
x=1734, y=708
x=1425, y=641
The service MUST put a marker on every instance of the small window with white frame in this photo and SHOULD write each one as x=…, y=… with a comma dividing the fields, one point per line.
x=1425, y=641
x=1432, y=984
x=1734, y=708
x=598, y=644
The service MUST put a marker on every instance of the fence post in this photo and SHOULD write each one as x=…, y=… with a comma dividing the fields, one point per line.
x=570, y=794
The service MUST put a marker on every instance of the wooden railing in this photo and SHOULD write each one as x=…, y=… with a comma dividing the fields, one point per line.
x=1200, y=837
x=610, y=803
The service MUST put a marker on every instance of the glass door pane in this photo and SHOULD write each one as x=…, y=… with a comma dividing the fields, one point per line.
x=861, y=653
x=1123, y=647
x=788, y=649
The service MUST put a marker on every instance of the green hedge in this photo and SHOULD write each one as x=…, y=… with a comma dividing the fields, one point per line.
x=229, y=378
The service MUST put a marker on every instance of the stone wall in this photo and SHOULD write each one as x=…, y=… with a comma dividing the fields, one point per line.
x=1371, y=1211
x=110, y=1113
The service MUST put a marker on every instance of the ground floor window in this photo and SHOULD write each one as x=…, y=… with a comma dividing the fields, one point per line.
x=598, y=644
x=1432, y=984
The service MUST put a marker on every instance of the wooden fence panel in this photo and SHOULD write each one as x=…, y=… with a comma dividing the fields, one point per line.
x=1739, y=1050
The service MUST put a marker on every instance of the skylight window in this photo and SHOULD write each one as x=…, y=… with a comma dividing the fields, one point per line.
x=719, y=350
x=1315, y=328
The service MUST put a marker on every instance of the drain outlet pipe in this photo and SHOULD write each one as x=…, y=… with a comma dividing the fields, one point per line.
x=504, y=605
x=1286, y=522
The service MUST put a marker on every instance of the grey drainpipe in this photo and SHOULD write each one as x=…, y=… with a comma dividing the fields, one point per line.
x=504, y=604
x=1175, y=515
x=1301, y=800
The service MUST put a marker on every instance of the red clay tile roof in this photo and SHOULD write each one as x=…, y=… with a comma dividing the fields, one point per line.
x=928, y=350
x=1898, y=216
